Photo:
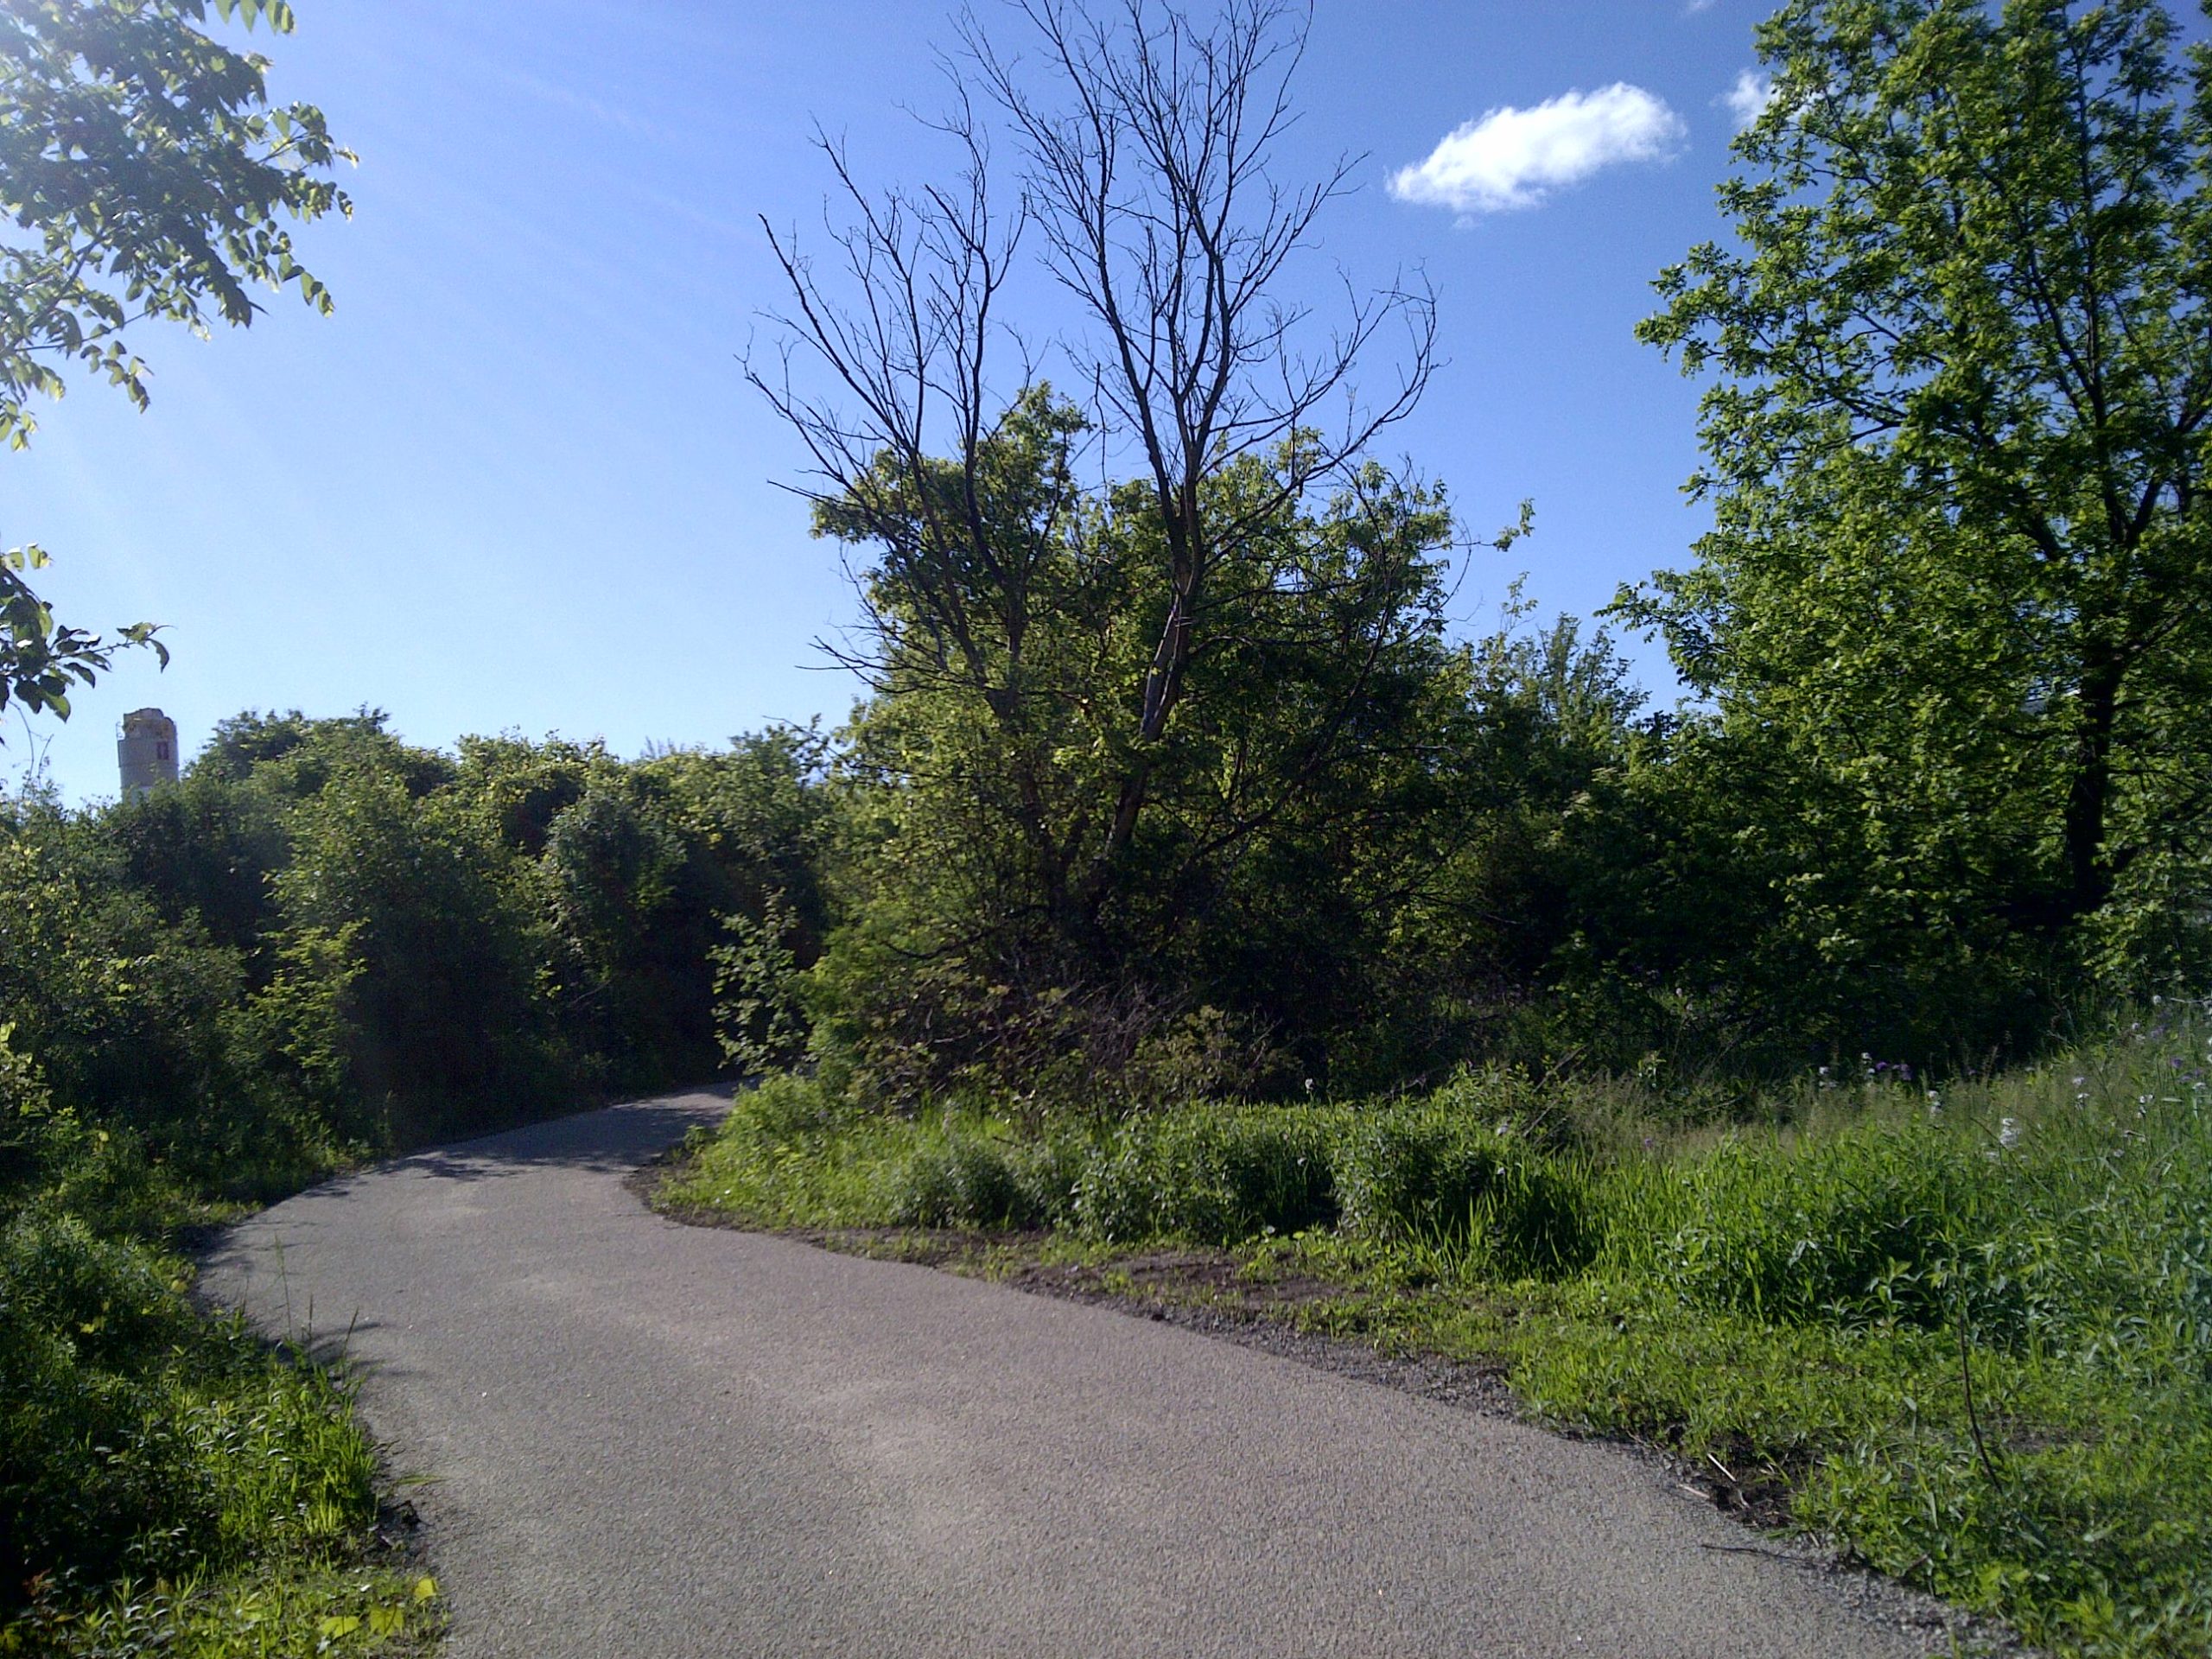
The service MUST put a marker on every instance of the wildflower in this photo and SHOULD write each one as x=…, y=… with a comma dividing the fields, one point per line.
x=2008, y=1132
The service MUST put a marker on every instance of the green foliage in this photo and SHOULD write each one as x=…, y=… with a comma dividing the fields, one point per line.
x=1065, y=870
x=41, y=659
x=1810, y=1298
x=1435, y=1173
x=760, y=1023
x=135, y=1024
x=1213, y=1177
x=292, y=1607
x=154, y=180
x=658, y=871
x=970, y=1176
x=294, y=758
x=428, y=933
x=1952, y=613
x=145, y=157
x=205, y=852
x=1944, y=781
x=167, y=1483
x=325, y=936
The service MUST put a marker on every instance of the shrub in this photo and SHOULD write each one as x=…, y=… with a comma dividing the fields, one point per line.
x=435, y=955
x=1428, y=1172
x=1211, y=1176
x=959, y=1180
x=1854, y=1230
x=970, y=1177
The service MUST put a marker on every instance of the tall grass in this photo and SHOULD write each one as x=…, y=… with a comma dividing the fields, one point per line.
x=169, y=1485
x=1969, y=1327
x=157, y=1466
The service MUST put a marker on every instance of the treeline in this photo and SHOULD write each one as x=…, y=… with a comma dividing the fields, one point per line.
x=1171, y=777
x=1170, y=780
x=1500, y=855
x=325, y=936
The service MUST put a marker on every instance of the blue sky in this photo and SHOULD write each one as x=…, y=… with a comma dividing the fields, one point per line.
x=518, y=482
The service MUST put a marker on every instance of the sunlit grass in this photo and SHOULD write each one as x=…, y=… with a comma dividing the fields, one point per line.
x=1966, y=1329
x=173, y=1485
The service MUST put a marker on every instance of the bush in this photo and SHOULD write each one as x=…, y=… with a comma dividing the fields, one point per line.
x=1427, y=1172
x=969, y=1178
x=421, y=919
x=1212, y=1176
x=959, y=1181
x=1862, y=1227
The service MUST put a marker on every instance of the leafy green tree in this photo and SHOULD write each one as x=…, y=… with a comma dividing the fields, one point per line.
x=1955, y=613
x=626, y=895
x=525, y=786
x=758, y=814
x=206, y=853
x=294, y=757
x=124, y=1016
x=1003, y=919
x=420, y=928
x=1099, y=709
x=642, y=868
x=145, y=175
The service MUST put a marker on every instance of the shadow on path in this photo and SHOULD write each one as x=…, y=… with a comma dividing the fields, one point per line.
x=613, y=1140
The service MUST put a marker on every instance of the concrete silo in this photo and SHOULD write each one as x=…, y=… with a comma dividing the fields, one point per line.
x=146, y=752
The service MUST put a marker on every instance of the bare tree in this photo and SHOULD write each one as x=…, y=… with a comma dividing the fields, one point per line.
x=1150, y=186
x=1152, y=180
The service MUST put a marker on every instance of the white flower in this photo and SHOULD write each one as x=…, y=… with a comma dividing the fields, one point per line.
x=2008, y=1132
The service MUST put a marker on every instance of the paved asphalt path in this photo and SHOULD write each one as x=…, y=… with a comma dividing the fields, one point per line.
x=644, y=1441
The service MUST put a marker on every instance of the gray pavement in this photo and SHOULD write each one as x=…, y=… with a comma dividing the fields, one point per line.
x=647, y=1440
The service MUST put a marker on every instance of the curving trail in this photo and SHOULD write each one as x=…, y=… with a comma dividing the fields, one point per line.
x=644, y=1441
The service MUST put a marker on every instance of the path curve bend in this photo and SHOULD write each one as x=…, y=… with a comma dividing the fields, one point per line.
x=643, y=1441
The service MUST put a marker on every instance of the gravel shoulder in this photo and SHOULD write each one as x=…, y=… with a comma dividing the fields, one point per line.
x=636, y=1437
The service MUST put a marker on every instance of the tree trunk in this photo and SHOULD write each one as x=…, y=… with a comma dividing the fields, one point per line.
x=2089, y=871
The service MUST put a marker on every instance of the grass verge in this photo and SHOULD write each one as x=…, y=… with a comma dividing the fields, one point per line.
x=1965, y=1335
x=169, y=1483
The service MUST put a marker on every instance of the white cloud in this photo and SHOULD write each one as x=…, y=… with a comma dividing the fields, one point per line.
x=1515, y=158
x=1694, y=7
x=1748, y=98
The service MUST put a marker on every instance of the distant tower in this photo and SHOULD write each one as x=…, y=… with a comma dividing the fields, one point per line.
x=146, y=752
